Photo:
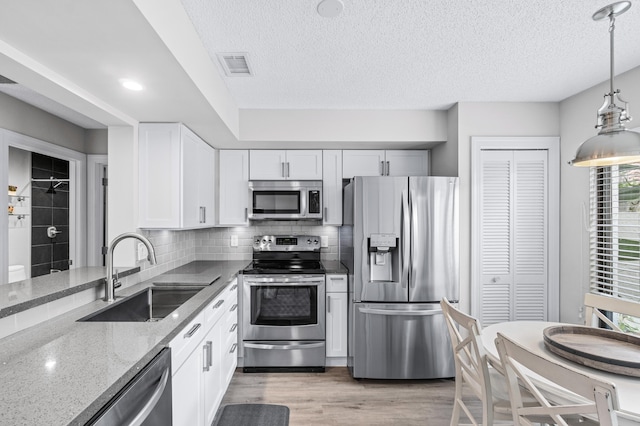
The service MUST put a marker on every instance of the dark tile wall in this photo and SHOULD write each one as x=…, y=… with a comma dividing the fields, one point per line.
x=49, y=210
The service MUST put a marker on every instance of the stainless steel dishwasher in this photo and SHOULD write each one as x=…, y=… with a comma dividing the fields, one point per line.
x=145, y=401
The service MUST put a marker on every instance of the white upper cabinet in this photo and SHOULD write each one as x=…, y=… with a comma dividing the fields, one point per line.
x=177, y=178
x=385, y=163
x=332, y=187
x=234, y=187
x=285, y=165
x=407, y=163
x=362, y=163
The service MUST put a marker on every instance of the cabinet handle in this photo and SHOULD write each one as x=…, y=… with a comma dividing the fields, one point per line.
x=246, y=214
x=233, y=328
x=329, y=304
x=233, y=348
x=387, y=168
x=326, y=214
x=208, y=359
x=204, y=214
x=288, y=168
x=234, y=307
x=234, y=287
x=282, y=166
x=382, y=168
x=336, y=278
x=217, y=305
x=193, y=330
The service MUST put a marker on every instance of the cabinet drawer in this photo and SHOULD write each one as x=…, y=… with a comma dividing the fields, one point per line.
x=336, y=283
x=185, y=342
x=227, y=301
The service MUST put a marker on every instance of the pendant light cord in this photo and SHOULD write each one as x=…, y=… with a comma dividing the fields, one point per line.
x=612, y=27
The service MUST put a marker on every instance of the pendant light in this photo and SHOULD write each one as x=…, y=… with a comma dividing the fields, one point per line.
x=613, y=144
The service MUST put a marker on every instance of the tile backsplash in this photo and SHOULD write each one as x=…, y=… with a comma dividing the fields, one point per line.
x=176, y=248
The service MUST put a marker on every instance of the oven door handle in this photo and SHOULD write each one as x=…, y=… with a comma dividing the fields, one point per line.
x=284, y=347
x=278, y=281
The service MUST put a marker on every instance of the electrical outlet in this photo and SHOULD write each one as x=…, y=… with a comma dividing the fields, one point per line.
x=324, y=241
x=142, y=251
x=234, y=241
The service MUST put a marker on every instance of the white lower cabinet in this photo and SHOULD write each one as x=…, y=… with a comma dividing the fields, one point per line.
x=336, y=319
x=201, y=376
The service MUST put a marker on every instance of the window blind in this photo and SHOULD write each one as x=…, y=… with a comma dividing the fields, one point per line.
x=615, y=231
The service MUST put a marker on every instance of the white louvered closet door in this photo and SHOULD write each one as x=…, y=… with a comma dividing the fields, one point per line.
x=514, y=211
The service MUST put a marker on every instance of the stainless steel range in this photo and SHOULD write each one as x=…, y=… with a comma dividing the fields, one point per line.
x=282, y=295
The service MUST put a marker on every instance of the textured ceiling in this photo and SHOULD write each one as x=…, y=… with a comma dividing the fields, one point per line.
x=413, y=54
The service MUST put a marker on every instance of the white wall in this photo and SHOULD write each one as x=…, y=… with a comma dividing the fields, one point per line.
x=122, y=208
x=331, y=128
x=444, y=157
x=19, y=244
x=577, y=121
x=492, y=119
x=28, y=120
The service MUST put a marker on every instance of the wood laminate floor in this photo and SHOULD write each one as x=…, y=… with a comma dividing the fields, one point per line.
x=334, y=398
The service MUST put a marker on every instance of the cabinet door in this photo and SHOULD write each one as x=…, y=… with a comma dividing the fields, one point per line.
x=304, y=165
x=407, y=163
x=234, y=187
x=332, y=187
x=212, y=372
x=191, y=212
x=160, y=182
x=362, y=163
x=187, y=385
x=337, y=324
x=267, y=164
x=207, y=185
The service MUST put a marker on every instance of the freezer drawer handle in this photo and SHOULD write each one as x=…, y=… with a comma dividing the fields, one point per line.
x=153, y=401
x=397, y=312
x=283, y=347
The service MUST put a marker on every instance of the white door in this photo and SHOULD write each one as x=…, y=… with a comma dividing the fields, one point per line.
x=515, y=215
x=362, y=163
x=407, y=163
x=234, y=187
x=304, y=165
x=267, y=164
x=332, y=187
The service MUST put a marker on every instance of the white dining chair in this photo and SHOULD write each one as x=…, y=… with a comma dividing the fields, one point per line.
x=475, y=370
x=596, y=304
x=585, y=399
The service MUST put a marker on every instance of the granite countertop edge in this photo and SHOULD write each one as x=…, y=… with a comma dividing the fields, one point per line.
x=25, y=353
x=59, y=294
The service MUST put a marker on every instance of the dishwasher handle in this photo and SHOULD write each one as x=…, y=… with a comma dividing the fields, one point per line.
x=152, y=402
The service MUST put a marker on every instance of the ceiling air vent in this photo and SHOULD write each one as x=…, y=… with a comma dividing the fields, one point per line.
x=235, y=64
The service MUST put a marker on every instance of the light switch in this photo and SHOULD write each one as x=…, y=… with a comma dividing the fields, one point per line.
x=234, y=241
x=324, y=241
x=142, y=251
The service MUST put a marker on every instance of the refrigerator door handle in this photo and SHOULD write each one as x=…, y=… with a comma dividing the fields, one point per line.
x=414, y=225
x=395, y=312
x=406, y=238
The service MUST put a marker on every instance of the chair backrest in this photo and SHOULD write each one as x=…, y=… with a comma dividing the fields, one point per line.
x=595, y=304
x=599, y=399
x=468, y=350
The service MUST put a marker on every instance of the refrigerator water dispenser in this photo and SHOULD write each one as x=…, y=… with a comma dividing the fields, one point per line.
x=383, y=257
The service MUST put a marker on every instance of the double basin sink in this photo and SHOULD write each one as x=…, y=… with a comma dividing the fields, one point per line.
x=148, y=305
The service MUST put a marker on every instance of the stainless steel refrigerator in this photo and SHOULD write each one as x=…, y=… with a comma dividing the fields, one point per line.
x=400, y=243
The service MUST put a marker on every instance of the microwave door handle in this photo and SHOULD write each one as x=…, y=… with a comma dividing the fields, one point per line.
x=304, y=195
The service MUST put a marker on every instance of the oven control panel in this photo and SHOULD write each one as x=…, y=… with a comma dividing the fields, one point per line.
x=286, y=243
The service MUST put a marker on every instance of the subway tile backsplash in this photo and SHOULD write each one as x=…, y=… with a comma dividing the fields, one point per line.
x=176, y=248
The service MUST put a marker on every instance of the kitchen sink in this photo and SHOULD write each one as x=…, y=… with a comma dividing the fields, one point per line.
x=151, y=304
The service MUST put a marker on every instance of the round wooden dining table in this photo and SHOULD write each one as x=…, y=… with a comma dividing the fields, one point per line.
x=529, y=334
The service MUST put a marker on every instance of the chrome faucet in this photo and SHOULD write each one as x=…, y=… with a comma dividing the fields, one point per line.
x=111, y=282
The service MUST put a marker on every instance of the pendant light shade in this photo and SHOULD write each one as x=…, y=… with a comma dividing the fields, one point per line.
x=613, y=144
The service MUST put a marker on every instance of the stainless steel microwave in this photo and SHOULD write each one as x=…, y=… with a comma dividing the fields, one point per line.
x=285, y=200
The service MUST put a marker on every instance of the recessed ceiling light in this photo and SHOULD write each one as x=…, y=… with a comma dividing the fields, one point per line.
x=330, y=8
x=130, y=84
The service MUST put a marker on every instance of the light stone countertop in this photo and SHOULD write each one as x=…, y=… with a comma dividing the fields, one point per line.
x=26, y=294
x=62, y=371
